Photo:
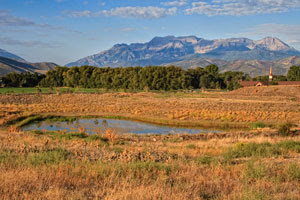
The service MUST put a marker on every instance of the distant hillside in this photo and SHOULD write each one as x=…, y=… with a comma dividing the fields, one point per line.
x=251, y=67
x=8, y=65
x=170, y=49
x=6, y=54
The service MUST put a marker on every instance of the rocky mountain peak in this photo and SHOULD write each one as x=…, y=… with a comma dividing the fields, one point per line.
x=273, y=44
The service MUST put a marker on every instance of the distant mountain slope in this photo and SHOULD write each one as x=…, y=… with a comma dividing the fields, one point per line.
x=8, y=65
x=6, y=54
x=170, y=49
x=251, y=67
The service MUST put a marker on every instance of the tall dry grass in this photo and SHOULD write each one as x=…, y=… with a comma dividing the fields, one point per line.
x=45, y=165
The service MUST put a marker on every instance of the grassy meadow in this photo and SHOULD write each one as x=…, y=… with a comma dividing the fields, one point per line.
x=259, y=162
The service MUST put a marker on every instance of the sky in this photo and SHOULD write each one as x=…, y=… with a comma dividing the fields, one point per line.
x=63, y=31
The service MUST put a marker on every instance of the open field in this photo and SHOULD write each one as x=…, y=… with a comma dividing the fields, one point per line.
x=237, y=164
x=240, y=108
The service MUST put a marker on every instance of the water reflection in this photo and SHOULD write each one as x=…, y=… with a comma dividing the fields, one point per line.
x=100, y=125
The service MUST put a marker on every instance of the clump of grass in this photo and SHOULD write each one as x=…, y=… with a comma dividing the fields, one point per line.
x=111, y=135
x=258, y=125
x=29, y=120
x=294, y=171
x=118, y=149
x=191, y=146
x=205, y=160
x=241, y=150
x=254, y=171
x=48, y=157
x=38, y=91
x=81, y=130
x=13, y=129
x=60, y=119
x=284, y=129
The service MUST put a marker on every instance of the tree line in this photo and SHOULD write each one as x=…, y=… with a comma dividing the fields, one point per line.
x=139, y=78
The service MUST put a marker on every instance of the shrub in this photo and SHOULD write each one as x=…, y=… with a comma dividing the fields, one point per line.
x=285, y=129
x=111, y=135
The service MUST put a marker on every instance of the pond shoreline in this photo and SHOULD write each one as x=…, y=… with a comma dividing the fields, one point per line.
x=94, y=125
x=33, y=118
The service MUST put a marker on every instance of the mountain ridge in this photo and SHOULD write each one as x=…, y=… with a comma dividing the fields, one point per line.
x=169, y=49
x=6, y=54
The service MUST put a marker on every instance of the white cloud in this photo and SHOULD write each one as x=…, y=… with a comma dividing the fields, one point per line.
x=241, y=7
x=32, y=43
x=83, y=13
x=175, y=3
x=140, y=12
x=9, y=20
x=149, y=12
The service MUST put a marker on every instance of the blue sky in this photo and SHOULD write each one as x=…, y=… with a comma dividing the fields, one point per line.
x=63, y=31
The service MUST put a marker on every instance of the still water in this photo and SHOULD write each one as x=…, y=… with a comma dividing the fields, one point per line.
x=99, y=125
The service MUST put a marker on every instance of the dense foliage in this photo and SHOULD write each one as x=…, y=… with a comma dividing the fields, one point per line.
x=294, y=73
x=22, y=80
x=139, y=78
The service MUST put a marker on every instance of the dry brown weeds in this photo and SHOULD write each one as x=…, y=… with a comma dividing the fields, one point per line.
x=141, y=168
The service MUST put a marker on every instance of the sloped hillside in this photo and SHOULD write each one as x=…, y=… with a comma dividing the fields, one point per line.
x=10, y=65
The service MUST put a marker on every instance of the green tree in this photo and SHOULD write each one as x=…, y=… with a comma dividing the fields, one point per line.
x=212, y=69
x=294, y=73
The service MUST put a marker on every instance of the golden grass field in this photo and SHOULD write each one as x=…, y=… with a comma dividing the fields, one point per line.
x=248, y=105
x=240, y=164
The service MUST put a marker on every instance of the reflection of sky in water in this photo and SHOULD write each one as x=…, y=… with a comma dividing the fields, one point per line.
x=99, y=125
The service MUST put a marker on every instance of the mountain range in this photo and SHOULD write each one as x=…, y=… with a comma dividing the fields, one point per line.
x=235, y=54
x=182, y=50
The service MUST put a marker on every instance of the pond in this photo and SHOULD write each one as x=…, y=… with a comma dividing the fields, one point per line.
x=100, y=125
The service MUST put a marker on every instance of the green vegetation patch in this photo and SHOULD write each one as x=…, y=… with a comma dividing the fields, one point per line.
x=241, y=150
x=47, y=157
x=72, y=136
x=258, y=125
